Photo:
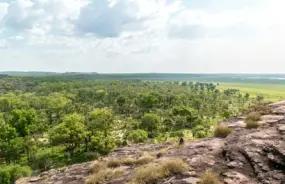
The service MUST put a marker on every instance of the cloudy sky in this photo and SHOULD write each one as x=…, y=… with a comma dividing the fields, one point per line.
x=191, y=36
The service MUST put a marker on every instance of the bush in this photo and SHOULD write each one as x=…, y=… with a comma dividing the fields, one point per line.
x=154, y=172
x=137, y=136
x=209, y=178
x=222, y=131
x=253, y=116
x=250, y=124
x=48, y=158
x=9, y=174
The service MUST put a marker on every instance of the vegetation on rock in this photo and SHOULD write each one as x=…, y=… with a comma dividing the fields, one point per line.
x=53, y=121
x=222, y=131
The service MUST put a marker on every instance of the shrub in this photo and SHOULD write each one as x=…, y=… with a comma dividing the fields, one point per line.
x=250, y=124
x=9, y=174
x=137, y=136
x=209, y=178
x=222, y=131
x=154, y=172
x=253, y=116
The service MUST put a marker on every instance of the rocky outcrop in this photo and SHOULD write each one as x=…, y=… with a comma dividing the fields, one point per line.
x=255, y=156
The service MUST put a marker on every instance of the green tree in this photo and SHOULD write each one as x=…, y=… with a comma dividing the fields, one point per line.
x=101, y=122
x=137, y=136
x=151, y=124
x=54, y=106
x=22, y=120
x=70, y=132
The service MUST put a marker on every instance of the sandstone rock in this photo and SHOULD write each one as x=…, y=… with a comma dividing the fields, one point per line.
x=279, y=110
x=234, y=177
x=34, y=179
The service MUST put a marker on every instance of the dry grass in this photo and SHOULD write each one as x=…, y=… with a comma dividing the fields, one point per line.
x=114, y=163
x=162, y=152
x=105, y=174
x=117, y=162
x=145, y=159
x=209, y=178
x=222, y=131
x=153, y=172
x=263, y=109
x=128, y=161
x=97, y=166
x=253, y=116
x=251, y=124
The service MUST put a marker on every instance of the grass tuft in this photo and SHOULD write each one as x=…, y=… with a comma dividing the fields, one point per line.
x=222, y=131
x=154, y=172
x=250, y=124
x=114, y=163
x=145, y=159
x=209, y=178
x=97, y=166
x=253, y=116
x=104, y=175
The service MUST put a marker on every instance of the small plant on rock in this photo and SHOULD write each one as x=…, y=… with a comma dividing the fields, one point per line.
x=250, y=124
x=222, y=131
x=154, y=172
x=145, y=159
x=209, y=178
x=253, y=116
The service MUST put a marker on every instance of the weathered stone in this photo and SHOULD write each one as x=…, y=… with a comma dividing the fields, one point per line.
x=279, y=110
x=34, y=179
x=234, y=177
x=191, y=180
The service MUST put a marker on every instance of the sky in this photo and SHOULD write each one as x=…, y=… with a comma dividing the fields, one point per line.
x=130, y=36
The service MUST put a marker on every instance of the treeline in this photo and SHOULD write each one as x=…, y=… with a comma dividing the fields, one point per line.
x=46, y=124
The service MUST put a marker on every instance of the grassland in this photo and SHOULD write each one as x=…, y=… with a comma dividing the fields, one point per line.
x=271, y=92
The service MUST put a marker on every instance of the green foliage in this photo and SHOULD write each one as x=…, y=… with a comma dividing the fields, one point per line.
x=70, y=132
x=10, y=173
x=151, y=124
x=22, y=120
x=101, y=143
x=137, y=136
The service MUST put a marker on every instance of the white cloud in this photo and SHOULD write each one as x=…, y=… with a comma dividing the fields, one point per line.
x=143, y=35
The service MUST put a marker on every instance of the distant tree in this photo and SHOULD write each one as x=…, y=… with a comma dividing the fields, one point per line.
x=54, y=105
